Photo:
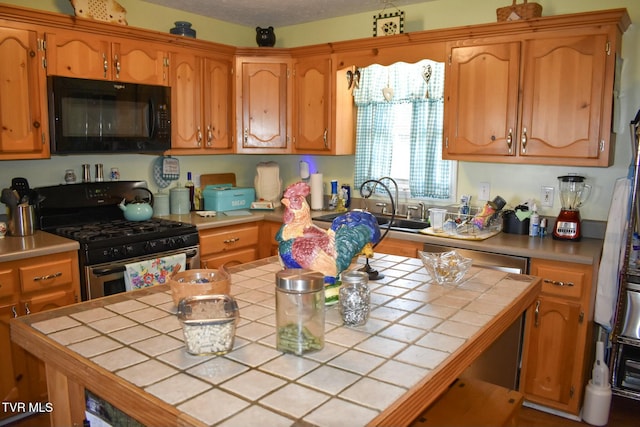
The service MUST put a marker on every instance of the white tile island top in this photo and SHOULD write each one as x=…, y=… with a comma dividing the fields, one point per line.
x=129, y=350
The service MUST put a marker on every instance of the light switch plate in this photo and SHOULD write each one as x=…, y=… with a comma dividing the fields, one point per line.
x=484, y=190
x=546, y=196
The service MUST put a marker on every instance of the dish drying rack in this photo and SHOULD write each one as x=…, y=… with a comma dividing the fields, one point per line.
x=471, y=226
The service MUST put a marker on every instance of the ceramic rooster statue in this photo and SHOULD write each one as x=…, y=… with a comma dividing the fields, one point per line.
x=302, y=244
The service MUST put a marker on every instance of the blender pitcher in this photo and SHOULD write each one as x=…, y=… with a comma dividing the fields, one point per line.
x=573, y=193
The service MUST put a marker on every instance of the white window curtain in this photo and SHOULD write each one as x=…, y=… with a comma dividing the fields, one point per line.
x=429, y=175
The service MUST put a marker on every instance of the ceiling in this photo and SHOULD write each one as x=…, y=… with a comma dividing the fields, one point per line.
x=279, y=13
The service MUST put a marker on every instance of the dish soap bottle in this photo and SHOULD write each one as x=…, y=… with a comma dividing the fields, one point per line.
x=534, y=222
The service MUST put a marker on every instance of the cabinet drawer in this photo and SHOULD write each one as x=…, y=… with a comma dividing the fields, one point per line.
x=8, y=281
x=562, y=279
x=242, y=256
x=228, y=238
x=46, y=275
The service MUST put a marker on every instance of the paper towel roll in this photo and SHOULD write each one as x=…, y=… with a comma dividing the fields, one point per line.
x=317, y=195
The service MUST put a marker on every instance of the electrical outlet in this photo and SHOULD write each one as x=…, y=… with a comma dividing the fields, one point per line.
x=484, y=190
x=546, y=196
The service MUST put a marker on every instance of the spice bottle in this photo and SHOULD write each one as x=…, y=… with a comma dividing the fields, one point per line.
x=354, y=298
x=299, y=311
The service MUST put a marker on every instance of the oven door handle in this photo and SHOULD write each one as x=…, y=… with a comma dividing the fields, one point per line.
x=107, y=270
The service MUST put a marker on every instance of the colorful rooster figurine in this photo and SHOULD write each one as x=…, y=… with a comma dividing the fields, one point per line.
x=302, y=244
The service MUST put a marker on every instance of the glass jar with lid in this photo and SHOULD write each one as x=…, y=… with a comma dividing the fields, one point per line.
x=354, y=298
x=299, y=311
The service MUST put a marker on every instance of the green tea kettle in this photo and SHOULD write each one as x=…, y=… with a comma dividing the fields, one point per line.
x=138, y=209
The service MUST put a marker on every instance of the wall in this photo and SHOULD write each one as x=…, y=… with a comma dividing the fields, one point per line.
x=523, y=181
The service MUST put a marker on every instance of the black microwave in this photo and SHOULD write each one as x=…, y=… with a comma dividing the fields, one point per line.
x=96, y=116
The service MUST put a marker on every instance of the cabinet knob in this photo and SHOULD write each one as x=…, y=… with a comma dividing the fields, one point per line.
x=524, y=140
x=537, y=313
x=36, y=124
x=510, y=140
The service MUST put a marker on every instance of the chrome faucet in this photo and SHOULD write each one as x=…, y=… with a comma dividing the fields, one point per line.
x=395, y=184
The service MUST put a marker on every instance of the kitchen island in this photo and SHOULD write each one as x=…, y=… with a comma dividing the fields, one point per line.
x=128, y=349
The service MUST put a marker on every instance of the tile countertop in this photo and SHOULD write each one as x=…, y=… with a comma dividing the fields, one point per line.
x=128, y=348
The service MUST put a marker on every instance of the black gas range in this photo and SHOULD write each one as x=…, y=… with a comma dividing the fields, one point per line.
x=89, y=214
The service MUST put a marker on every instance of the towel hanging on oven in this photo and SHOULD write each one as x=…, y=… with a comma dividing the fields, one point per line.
x=152, y=272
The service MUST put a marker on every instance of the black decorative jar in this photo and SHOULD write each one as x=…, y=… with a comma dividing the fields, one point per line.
x=183, y=28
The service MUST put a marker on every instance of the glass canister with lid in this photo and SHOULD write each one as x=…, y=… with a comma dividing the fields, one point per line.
x=299, y=311
x=354, y=298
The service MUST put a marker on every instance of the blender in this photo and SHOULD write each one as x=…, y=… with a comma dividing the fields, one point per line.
x=573, y=193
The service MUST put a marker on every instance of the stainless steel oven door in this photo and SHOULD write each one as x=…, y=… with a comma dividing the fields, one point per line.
x=108, y=278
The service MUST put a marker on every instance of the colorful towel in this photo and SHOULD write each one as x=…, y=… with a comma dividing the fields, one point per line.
x=153, y=272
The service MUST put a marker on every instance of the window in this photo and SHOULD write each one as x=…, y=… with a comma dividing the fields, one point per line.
x=399, y=129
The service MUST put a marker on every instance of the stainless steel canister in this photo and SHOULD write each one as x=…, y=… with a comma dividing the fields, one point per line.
x=21, y=220
x=299, y=311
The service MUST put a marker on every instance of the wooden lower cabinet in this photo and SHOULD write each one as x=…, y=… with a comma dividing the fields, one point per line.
x=399, y=247
x=31, y=285
x=557, y=353
x=232, y=243
x=268, y=243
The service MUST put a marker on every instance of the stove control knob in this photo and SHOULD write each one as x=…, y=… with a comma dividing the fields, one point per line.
x=129, y=249
x=114, y=252
x=151, y=245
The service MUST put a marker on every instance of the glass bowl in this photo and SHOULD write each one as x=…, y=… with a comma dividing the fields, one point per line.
x=199, y=282
x=445, y=267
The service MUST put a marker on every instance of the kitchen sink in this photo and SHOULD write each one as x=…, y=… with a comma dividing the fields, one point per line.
x=398, y=224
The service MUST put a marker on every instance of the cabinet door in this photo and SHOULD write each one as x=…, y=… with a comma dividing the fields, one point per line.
x=551, y=352
x=312, y=104
x=264, y=123
x=23, y=101
x=481, y=107
x=563, y=97
x=217, y=104
x=186, y=101
x=138, y=62
x=34, y=367
x=79, y=55
x=12, y=368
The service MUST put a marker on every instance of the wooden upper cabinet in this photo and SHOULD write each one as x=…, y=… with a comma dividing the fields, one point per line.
x=218, y=102
x=482, y=100
x=312, y=104
x=88, y=56
x=563, y=99
x=263, y=101
x=24, y=120
x=544, y=100
x=201, y=102
x=323, y=107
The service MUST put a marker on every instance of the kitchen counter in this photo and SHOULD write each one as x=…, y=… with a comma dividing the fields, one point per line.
x=39, y=243
x=128, y=348
x=586, y=251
